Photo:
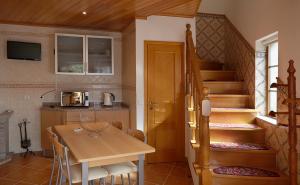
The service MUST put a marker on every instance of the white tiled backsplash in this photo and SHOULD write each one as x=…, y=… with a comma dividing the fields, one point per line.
x=23, y=82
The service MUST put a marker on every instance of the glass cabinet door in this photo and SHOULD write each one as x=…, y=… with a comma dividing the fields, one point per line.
x=69, y=54
x=99, y=55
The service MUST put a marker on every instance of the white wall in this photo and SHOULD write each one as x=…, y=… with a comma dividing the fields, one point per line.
x=155, y=28
x=129, y=71
x=271, y=16
x=159, y=28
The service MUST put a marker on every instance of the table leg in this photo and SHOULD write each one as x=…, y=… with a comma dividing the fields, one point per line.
x=140, y=175
x=84, y=173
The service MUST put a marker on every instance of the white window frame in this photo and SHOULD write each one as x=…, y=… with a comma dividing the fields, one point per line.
x=268, y=90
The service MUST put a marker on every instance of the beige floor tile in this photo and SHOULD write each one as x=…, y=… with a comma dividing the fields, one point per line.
x=39, y=164
x=35, y=170
x=23, y=183
x=177, y=180
x=8, y=168
x=35, y=178
x=20, y=173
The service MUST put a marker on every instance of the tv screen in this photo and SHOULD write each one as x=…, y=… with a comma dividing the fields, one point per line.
x=23, y=50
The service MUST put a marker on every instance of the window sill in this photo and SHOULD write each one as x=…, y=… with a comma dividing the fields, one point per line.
x=268, y=119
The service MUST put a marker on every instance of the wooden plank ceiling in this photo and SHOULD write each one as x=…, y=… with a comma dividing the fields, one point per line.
x=112, y=15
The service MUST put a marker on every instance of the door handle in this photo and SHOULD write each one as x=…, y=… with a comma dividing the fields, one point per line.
x=151, y=105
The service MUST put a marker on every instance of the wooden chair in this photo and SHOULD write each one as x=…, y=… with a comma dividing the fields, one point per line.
x=117, y=124
x=51, y=135
x=126, y=167
x=137, y=134
x=73, y=173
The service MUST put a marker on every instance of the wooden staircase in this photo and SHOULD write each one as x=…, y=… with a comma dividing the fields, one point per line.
x=235, y=139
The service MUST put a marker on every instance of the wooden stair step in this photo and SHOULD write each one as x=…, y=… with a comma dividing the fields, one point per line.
x=239, y=154
x=225, y=126
x=191, y=125
x=225, y=87
x=197, y=168
x=251, y=158
x=226, y=146
x=194, y=144
x=262, y=158
x=210, y=65
x=232, y=126
x=229, y=100
x=233, y=115
x=248, y=180
x=237, y=135
x=233, y=110
x=217, y=75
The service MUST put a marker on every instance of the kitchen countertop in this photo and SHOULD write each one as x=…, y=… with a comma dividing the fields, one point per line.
x=56, y=107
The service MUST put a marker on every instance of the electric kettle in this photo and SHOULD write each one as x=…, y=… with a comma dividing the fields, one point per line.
x=108, y=99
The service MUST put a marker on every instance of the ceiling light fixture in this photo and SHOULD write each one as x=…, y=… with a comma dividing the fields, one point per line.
x=84, y=13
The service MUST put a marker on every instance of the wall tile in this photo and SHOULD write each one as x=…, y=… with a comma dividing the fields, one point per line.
x=210, y=37
x=23, y=82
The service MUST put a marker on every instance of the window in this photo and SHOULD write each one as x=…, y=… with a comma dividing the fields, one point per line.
x=272, y=74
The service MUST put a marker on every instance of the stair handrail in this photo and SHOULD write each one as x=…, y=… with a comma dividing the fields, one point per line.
x=201, y=105
x=292, y=102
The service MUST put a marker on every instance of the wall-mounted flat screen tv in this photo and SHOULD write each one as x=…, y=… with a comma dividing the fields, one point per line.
x=23, y=50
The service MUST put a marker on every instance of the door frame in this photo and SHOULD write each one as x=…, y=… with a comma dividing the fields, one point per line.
x=146, y=43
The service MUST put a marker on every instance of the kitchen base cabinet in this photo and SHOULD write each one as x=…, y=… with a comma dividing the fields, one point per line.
x=58, y=116
x=71, y=117
x=49, y=118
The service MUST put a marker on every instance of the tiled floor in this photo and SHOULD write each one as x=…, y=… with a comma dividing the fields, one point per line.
x=36, y=171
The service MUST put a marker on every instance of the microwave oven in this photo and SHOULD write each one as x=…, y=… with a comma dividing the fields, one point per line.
x=74, y=99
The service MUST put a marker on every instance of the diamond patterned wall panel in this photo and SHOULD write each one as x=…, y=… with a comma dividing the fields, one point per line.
x=210, y=37
x=277, y=138
x=240, y=56
x=219, y=41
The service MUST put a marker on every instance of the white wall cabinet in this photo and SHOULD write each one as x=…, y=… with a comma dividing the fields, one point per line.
x=83, y=55
x=69, y=54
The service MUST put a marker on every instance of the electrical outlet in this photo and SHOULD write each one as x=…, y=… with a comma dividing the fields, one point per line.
x=26, y=97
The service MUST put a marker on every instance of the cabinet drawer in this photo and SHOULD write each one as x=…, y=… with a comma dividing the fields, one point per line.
x=74, y=116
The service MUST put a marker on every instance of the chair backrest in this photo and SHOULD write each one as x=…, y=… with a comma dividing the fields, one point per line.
x=62, y=153
x=117, y=124
x=137, y=134
x=51, y=136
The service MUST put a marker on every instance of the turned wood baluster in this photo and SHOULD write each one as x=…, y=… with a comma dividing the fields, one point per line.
x=195, y=97
x=197, y=121
x=292, y=124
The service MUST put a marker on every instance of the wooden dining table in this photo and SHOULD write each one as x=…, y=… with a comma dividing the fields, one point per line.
x=108, y=145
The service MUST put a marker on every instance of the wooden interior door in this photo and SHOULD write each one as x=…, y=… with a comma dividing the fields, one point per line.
x=164, y=92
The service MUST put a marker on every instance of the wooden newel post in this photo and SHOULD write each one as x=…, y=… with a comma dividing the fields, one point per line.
x=205, y=139
x=292, y=124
